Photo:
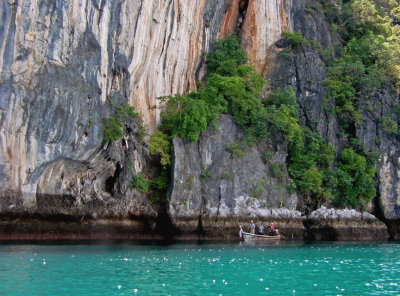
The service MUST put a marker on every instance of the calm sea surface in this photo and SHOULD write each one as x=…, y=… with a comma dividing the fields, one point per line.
x=121, y=268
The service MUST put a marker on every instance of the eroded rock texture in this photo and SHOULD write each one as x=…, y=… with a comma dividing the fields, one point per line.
x=66, y=65
x=211, y=181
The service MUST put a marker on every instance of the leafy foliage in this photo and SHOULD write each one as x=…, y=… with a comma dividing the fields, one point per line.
x=354, y=179
x=204, y=174
x=275, y=171
x=227, y=54
x=159, y=186
x=295, y=39
x=184, y=116
x=113, y=127
x=235, y=149
x=369, y=61
x=160, y=146
x=310, y=160
x=389, y=126
x=140, y=183
x=232, y=87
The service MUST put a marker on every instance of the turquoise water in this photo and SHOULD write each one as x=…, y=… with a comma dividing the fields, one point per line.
x=200, y=269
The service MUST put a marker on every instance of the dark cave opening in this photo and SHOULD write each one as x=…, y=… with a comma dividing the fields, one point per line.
x=110, y=182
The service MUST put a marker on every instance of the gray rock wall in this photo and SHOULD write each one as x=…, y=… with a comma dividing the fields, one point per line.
x=210, y=182
x=65, y=65
x=305, y=70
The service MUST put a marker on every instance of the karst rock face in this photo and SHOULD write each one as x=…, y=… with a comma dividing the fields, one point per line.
x=66, y=65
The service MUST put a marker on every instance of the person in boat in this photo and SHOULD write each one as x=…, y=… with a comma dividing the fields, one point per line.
x=252, y=227
x=271, y=228
x=261, y=229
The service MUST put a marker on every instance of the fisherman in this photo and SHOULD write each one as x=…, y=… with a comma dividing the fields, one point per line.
x=261, y=229
x=271, y=229
x=252, y=227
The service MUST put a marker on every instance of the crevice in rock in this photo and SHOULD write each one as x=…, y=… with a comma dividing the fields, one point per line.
x=219, y=201
x=377, y=211
x=200, y=229
x=164, y=225
x=110, y=182
x=243, y=4
x=124, y=144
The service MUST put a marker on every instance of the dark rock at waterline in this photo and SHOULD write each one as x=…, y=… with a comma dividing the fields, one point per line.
x=135, y=227
x=345, y=229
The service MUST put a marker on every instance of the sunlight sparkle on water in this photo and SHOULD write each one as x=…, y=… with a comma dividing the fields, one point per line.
x=208, y=270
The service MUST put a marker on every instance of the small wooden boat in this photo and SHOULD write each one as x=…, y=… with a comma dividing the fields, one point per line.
x=251, y=237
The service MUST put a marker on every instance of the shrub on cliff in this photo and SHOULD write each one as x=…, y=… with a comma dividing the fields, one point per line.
x=369, y=60
x=159, y=145
x=227, y=55
x=113, y=127
x=232, y=87
x=140, y=183
x=354, y=176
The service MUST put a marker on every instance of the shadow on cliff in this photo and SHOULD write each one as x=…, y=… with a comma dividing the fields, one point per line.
x=163, y=225
x=317, y=231
x=393, y=225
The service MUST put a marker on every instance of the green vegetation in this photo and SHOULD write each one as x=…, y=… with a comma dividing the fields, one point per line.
x=160, y=146
x=190, y=181
x=267, y=156
x=295, y=40
x=225, y=175
x=309, y=163
x=354, y=179
x=204, y=174
x=258, y=190
x=232, y=87
x=369, y=61
x=159, y=185
x=234, y=149
x=276, y=171
x=154, y=188
x=388, y=125
x=140, y=183
x=113, y=127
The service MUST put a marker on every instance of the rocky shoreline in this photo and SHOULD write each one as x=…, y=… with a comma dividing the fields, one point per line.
x=66, y=68
x=323, y=224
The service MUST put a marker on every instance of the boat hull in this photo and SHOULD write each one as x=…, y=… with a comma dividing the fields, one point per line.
x=248, y=236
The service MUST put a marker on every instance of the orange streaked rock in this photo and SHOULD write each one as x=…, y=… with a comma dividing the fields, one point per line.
x=229, y=22
x=263, y=25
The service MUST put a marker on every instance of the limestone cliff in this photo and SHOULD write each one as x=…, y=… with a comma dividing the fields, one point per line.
x=212, y=182
x=66, y=65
